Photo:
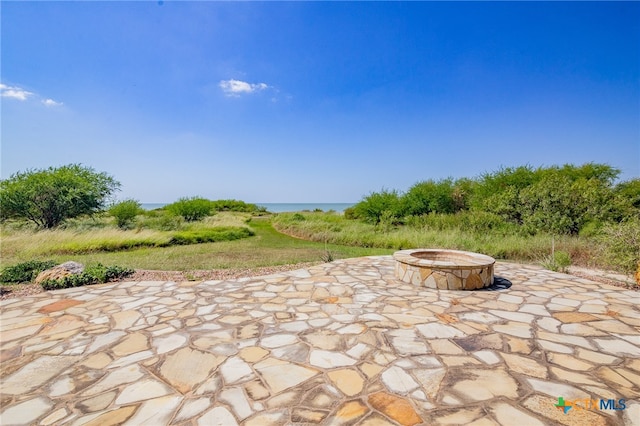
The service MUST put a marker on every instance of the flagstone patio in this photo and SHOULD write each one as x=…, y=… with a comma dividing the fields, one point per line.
x=343, y=343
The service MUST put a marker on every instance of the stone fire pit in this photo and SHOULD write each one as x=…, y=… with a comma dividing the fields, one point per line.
x=444, y=269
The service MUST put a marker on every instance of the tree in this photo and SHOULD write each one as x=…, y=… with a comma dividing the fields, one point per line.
x=125, y=212
x=47, y=197
x=191, y=209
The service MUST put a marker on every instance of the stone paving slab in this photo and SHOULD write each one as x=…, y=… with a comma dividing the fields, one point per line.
x=343, y=343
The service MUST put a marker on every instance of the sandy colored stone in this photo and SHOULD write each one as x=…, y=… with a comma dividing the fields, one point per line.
x=97, y=403
x=349, y=413
x=480, y=385
x=611, y=375
x=25, y=412
x=131, y=344
x=60, y=305
x=187, y=367
x=396, y=408
x=125, y=319
x=97, y=361
x=371, y=370
x=524, y=365
x=375, y=419
x=55, y=273
x=253, y=353
x=61, y=325
x=569, y=362
x=430, y=380
x=35, y=374
x=509, y=415
x=114, y=417
x=459, y=417
x=305, y=415
x=567, y=317
x=281, y=375
x=347, y=380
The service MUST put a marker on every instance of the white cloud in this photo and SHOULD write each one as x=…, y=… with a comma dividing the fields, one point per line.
x=51, y=103
x=237, y=87
x=14, y=92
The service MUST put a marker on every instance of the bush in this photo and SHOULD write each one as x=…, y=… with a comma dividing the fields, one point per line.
x=48, y=197
x=210, y=235
x=93, y=274
x=25, y=271
x=431, y=196
x=191, y=209
x=559, y=261
x=620, y=245
x=125, y=212
x=236, y=206
x=378, y=204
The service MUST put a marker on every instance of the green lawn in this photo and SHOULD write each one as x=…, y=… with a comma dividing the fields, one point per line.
x=267, y=248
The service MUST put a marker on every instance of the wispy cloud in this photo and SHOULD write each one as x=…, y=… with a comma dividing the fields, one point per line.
x=51, y=103
x=21, y=94
x=238, y=87
x=14, y=92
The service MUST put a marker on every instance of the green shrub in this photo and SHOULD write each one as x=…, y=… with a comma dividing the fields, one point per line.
x=191, y=209
x=77, y=280
x=210, y=235
x=559, y=261
x=372, y=208
x=93, y=274
x=298, y=217
x=125, y=212
x=236, y=206
x=620, y=245
x=431, y=196
x=25, y=271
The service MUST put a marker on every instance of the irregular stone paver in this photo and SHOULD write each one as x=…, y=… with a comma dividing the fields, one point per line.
x=343, y=343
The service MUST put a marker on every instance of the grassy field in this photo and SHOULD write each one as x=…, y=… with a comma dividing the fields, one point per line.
x=282, y=239
x=266, y=248
x=500, y=245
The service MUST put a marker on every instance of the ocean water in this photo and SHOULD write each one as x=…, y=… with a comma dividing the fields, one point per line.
x=298, y=207
x=279, y=207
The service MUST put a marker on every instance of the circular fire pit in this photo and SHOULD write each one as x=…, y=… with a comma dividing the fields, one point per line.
x=444, y=269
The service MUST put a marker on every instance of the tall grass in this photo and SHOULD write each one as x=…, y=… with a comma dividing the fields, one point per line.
x=267, y=248
x=92, y=236
x=434, y=233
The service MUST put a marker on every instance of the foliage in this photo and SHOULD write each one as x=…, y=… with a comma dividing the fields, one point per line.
x=48, y=197
x=236, y=206
x=93, y=274
x=125, y=212
x=558, y=261
x=432, y=196
x=191, y=209
x=372, y=208
x=210, y=235
x=620, y=244
x=630, y=191
x=298, y=216
x=558, y=200
x=161, y=221
x=25, y=271
x=446, y=231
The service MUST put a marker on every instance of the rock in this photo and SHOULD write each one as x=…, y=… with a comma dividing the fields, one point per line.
x=60, y=271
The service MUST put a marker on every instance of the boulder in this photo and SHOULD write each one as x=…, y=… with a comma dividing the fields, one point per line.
x=60, y=271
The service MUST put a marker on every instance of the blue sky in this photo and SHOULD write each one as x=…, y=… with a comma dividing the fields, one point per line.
x=315, y=102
